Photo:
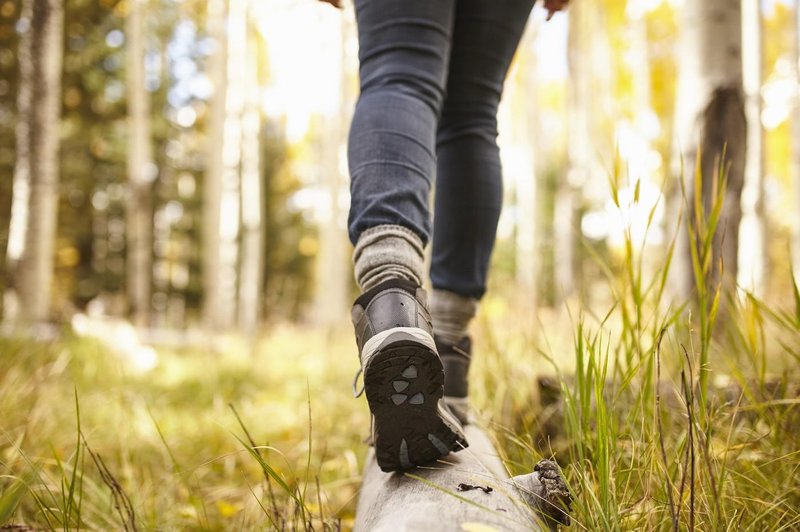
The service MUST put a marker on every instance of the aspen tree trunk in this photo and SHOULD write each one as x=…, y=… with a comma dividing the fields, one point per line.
x=710, y=114
x=230, y=200
x=252, y=197
x=526, y=240
x=578, y=149
x=795, y=160
x=641, y=68
x=212, y=180
x=35, y=186
x=638, y=167
x=332, y=275
x=752, y=252
x=138, y=210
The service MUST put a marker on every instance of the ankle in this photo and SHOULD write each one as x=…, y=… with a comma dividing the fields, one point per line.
x=452, y=314
x=456, y=359
x=395, y=303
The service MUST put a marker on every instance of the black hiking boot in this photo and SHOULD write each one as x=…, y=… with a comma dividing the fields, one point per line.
x=455, y=359
x=403, y=377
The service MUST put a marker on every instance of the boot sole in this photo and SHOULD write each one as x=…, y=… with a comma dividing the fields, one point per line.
x=404, y=384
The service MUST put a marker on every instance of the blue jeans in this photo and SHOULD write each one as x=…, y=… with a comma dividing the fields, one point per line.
x=432, y=74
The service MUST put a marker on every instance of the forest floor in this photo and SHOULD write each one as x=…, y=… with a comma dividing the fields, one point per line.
x=87, y=440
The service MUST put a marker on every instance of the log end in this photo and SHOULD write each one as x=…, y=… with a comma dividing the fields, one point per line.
x=546, y=492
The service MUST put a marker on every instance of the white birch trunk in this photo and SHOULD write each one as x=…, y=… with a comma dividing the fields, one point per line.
x=250, y=275
x=331, y=305
x=795, y=160
x=212, y=182
x=752, y=252
x=230, y=201
x=710, y=112
x=138, y=209
x=35, y=187
x=640, y=69
x=525, y=154
x=578, y=150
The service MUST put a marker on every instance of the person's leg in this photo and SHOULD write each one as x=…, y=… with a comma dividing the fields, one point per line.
x=468, y=182
x=404, y=50
x=404, y=47
x=469, y=189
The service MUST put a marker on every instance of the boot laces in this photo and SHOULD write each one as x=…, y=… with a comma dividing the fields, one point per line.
x=356, y=391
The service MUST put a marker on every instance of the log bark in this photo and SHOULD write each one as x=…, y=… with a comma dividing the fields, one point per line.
x=468, y=490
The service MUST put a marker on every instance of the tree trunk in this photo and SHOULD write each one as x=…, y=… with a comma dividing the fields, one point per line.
x=35, y=193
x=565, y=222
x=710, y=115
x=795, y=159
x=331, y=304
x=212, y=180
x=467, y=490
x=331, y=264
x=752, y=259
x=231, y=146
x=139, y=209
x=526, y=152
x=250, y=277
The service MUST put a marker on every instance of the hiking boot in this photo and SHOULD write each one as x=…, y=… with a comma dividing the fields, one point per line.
x=403, y=377
x=455, y=359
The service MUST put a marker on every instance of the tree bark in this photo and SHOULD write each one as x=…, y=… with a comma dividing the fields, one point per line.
x=795, y=160
x=566, y=223
x=212, y=180
x=252, y=198
x=332, y=270
x=752, y=260
x=710, y=115
x=467, y=490
x=231, y=146
x=35, y=187
x=139, y=208
x=526, y=152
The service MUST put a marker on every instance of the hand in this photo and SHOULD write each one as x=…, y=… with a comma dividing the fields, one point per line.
x=334, y=3
x=553, y=6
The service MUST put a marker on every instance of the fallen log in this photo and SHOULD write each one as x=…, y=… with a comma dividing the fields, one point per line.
x=468, y=490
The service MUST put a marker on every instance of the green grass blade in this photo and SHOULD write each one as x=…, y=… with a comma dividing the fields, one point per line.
x=10, y=498
x=269, y=470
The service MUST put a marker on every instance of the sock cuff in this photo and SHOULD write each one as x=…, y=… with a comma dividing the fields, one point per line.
x=380, y=232
x=388, y=252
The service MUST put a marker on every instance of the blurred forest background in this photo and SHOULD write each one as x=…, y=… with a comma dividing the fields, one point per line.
x=200, y=173
x=173, y=186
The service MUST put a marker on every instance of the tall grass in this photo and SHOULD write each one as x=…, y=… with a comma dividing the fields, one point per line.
x=165, y=450
x=668, y=416
x=673, y=419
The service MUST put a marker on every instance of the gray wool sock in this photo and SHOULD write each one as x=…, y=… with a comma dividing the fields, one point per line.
x=451, y=314
x=387, y=252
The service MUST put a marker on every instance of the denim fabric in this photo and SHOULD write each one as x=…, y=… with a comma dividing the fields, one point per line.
x=432, y=74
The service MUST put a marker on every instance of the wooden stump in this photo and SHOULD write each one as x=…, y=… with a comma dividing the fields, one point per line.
x=468, y=490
